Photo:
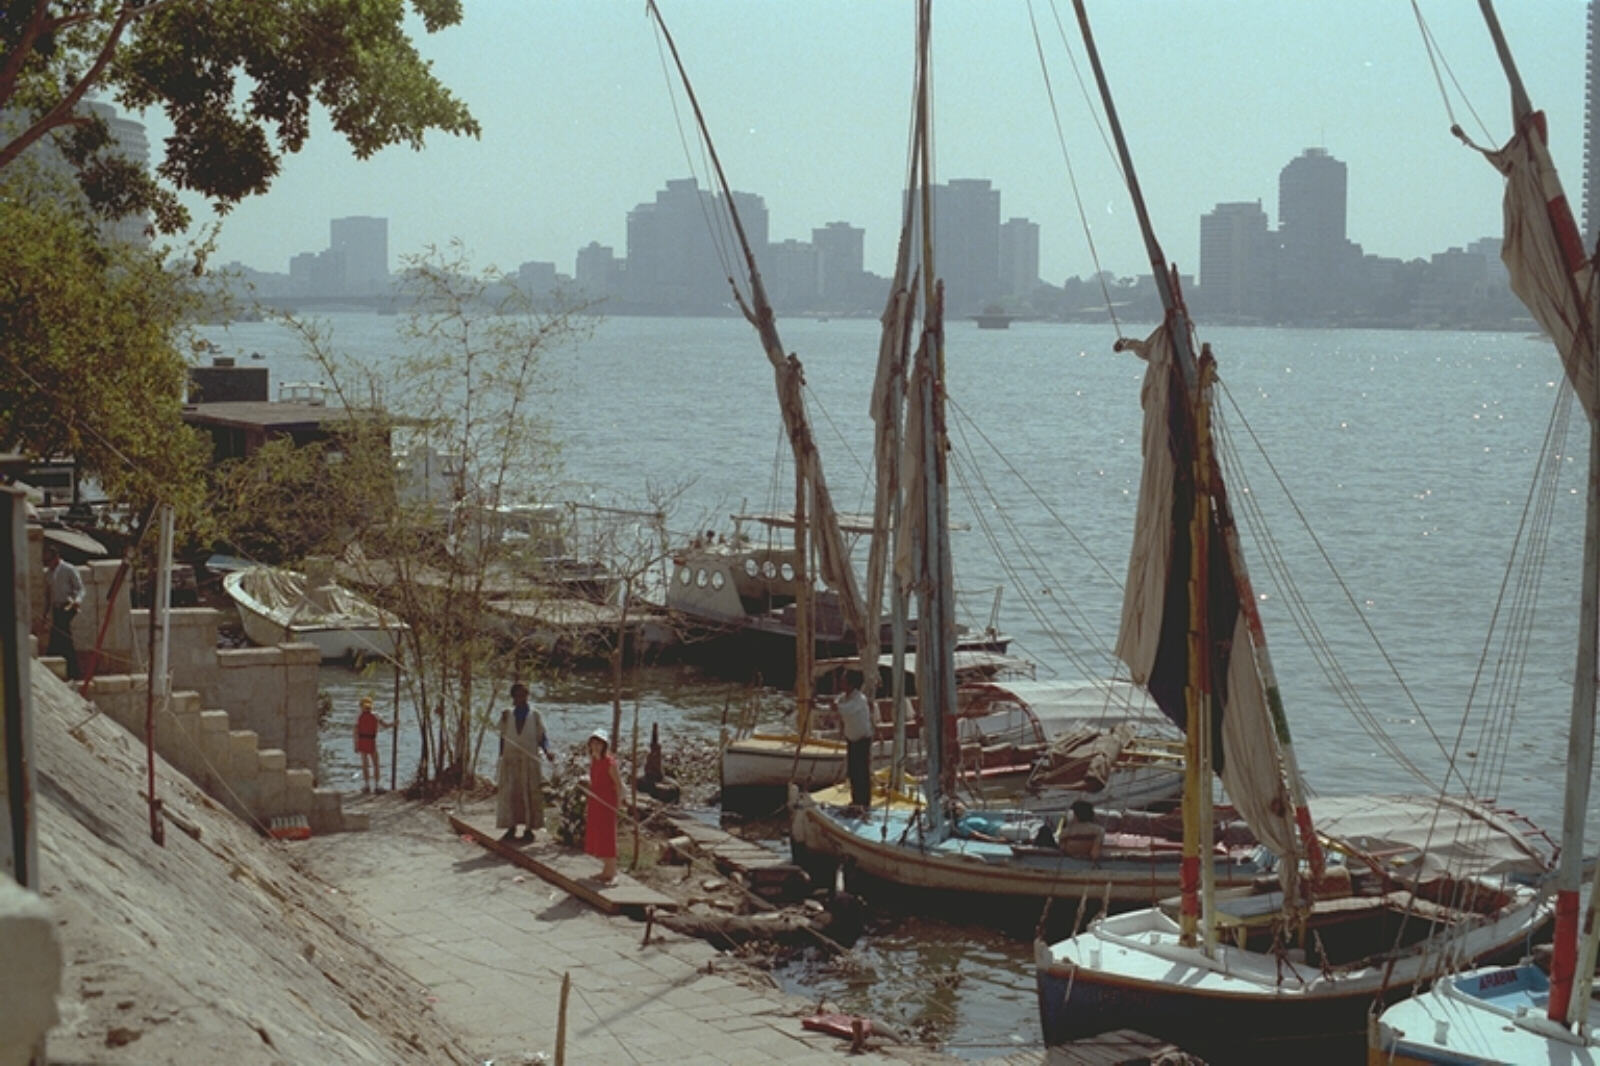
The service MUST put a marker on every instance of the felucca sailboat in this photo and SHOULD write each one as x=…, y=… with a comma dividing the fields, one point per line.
x=917, y=841
x=1229, y=974
x=1519, y=1014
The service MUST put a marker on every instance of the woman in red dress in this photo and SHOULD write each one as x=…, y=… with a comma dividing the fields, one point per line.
x=605, y=791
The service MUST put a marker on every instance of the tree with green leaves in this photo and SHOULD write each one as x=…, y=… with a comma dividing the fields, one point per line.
x=88, y=367
x=435, y=456
x=236, y=78
x=90, y=332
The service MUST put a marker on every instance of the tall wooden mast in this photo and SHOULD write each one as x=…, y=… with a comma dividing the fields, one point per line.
x=1564, y=1006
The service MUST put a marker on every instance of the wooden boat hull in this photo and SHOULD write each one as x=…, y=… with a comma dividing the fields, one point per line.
x=1130, y=971
x=887, y=851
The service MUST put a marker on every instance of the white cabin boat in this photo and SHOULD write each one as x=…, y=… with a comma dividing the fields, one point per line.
x=278, y=606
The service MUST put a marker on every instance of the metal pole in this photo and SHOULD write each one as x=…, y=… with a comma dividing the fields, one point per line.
x=394, y=727
x=156, y=686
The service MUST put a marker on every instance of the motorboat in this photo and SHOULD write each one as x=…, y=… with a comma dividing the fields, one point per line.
x=281, y=606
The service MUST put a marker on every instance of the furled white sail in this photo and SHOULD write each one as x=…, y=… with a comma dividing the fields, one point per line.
x=1250, y=767
x=1550, y=271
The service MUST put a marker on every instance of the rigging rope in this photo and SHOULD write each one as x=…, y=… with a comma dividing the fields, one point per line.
x=1299, y=611
x=1066, y=156
x=1435, y=58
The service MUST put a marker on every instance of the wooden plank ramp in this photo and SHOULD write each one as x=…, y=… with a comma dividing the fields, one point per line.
x=571, y=871
x=1123, y=1047
x=767, y=872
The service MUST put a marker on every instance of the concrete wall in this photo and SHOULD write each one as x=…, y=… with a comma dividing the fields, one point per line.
x=271, y=691
x=230, y=764
x=242, y=722
x=31, y=976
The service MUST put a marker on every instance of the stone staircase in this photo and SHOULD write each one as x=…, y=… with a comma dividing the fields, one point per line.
x=256, y=783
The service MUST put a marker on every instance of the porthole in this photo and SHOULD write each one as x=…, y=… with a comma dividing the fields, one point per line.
x=718, y=579
x=788, y=571
x=751, y=567
x=701, y=578
x=684, y=577
x=768, y=570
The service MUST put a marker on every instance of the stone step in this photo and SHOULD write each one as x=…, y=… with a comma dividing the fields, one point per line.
x=327, y=811
x=298, y=787
x=243, y=760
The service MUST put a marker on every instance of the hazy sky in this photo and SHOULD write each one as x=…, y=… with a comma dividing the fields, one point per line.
x=808, y=104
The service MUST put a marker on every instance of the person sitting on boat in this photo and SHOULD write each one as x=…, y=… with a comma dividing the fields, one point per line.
x=1080, y=835
x=855, y=715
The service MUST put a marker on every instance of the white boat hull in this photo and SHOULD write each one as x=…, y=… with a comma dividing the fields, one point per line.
x=1132, y=967
x=772, y=762
x=1490, y=1015
x=337, y=639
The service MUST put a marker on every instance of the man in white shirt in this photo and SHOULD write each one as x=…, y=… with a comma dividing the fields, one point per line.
x=855, y=714
x=64, y=594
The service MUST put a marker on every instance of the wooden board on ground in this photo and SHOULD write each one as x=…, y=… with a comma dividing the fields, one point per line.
x=572, y=871
x=1124, y=1047
x=767, y=872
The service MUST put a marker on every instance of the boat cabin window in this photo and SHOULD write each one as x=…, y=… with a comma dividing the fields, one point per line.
x=684, y=577
x=717, y=579
x=751, y=567
x=701, y=578
x=787, y=571
x=769, y=570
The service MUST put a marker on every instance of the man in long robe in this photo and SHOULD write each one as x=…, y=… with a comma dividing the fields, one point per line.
x=521, y=778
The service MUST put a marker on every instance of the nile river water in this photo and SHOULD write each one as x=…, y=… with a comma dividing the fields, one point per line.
x=1409, y=454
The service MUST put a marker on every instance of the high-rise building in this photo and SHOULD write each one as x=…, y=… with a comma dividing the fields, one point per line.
x=790, y=274
x=363, y=242
x=1591, y=130
x=1235, y=264
x=597, y=271
x=127, y=140
x=1313, y=251
x=1019, y=257
x=674, y=264
x=840, y=249
x=966, y=232
x=537, y=279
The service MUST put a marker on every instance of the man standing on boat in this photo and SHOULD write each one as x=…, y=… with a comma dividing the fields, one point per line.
x=856, y=715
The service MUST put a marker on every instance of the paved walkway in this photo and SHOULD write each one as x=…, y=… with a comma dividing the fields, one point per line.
x=490, y=943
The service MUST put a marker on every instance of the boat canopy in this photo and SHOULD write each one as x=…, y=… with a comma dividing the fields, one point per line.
x=1064, y=706
x=857, y=525
x=969, y=662
x=1430, y=837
